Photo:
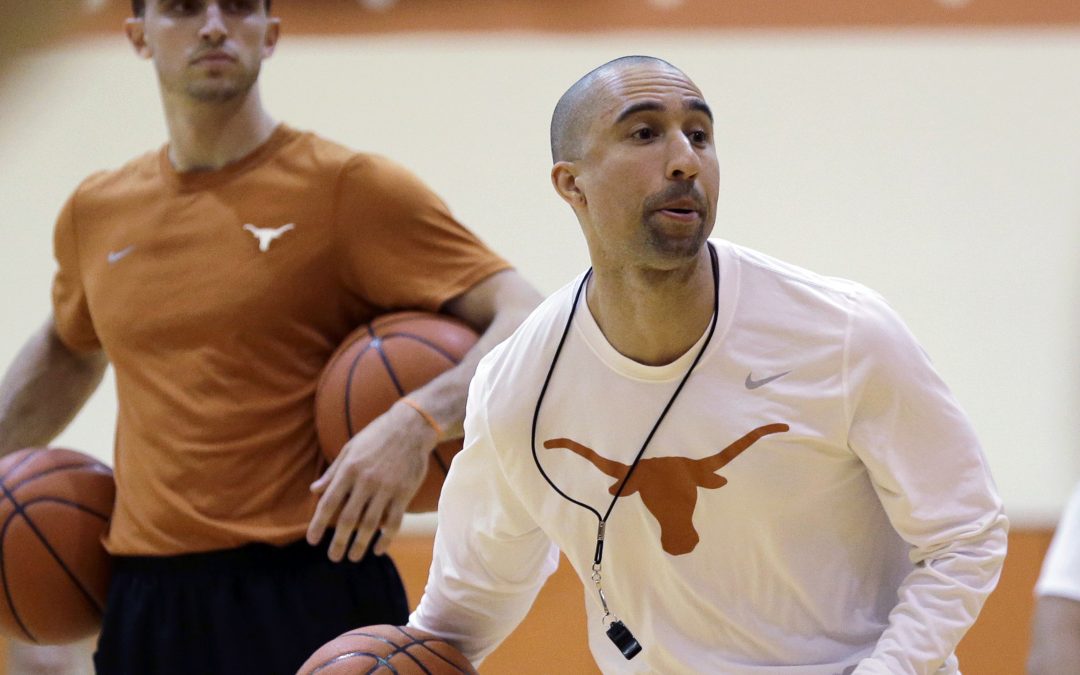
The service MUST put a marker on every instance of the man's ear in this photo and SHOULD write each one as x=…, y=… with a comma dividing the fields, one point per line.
x=273, y=32
x=135, y=29
x=565, y=180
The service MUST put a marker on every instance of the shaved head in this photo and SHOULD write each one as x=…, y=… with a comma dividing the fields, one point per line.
x=571, y=120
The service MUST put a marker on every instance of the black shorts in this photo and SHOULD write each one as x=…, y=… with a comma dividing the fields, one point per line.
x=256, y=609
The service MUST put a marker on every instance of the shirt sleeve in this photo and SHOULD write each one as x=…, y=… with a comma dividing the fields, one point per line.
x=71, y=312
x=490, y=558
x=400, y=246
x=929, y=472
x=1060, y=576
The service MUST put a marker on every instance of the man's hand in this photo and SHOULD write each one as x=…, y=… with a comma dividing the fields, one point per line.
x=371, y=482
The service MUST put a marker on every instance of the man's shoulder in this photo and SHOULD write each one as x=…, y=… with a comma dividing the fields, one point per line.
x=333, y=154
x=529, y=349
x=756, y=268
x=304, y=142
x=142, y=169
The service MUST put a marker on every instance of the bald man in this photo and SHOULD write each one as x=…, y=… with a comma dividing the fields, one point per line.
x=752, y=468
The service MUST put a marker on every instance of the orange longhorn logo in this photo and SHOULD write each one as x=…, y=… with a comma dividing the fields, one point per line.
x=668, y=485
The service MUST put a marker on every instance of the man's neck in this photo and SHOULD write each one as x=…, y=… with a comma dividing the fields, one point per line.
x=650, y=316
x=208, y=136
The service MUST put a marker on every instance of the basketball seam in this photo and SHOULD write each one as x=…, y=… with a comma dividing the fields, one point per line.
x=347, y=656
x=3, y=575
x=30, y=455
x=434, y=346
x=399, y=649
x=348, y=389
x=377, y=344
x=341, y=349
x=423, y=643
x=439, y=461
x=20, y=510
x=351, y=371
x=67, y=502
x=52, y=551
x=389, y=367
x=94, y=466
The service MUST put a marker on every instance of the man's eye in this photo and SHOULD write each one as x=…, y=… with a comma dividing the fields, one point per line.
x=182, y=7
x=644, y=134
x=700, y=137
x=240, y=6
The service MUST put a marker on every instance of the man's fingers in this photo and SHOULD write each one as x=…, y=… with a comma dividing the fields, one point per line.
x=327, y=508
x=324, y=480
x=391, y=525
x=317, y=527
x=346, y=524
x=319, y=485
x=373, y=517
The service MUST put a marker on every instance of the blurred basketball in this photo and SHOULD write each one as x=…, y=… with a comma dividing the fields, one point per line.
x=386, y=649
x=54, y=570
x=375, y=366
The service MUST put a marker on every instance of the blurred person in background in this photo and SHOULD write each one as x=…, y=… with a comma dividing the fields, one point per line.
x=217, y=275
x=1055, y=631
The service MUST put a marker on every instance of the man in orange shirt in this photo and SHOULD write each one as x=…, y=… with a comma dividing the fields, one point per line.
x=217, y=275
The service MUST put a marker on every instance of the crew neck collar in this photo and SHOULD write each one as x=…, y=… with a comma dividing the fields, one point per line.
x=587, y=328
x=197, y=179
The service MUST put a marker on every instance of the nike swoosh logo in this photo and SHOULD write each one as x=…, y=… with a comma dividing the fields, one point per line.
x=115, y=256
x=751, y=383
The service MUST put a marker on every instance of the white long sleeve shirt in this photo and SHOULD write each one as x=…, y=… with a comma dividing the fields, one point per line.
x=859, y=529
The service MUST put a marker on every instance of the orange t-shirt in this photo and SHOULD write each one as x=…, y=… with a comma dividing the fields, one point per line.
x=218, y=297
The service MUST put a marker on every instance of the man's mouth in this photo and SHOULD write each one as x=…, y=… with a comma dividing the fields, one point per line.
x=681, y=214
x=214, y=57
x=684, y=208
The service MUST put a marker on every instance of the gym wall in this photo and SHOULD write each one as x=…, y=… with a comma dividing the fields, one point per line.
x=927, y=148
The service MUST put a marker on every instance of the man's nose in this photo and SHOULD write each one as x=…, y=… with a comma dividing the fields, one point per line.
x=214, y=29
x=684, y=162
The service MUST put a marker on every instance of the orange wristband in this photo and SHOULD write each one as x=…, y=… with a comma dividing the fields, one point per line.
x=423, y=413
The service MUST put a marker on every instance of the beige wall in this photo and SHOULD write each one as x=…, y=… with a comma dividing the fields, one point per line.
x=940, y=168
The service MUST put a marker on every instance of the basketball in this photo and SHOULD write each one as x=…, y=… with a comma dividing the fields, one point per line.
x=375, y=366
x=386, y=649
x=54, y=570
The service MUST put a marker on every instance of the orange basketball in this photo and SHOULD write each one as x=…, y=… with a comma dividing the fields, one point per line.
x=375, y=366
x=54, y=571
x=386, y=649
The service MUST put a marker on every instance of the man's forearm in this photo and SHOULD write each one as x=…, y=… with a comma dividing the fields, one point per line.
x=43, y=389
x=496, y=306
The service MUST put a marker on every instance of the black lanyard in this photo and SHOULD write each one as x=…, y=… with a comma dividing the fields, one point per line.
x=617, y=631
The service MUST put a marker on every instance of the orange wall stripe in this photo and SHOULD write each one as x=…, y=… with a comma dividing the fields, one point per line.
x=338, y=17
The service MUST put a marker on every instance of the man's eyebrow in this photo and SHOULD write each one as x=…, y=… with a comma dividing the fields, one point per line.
x=644, y=106
x=700, y=106
x=653, y=106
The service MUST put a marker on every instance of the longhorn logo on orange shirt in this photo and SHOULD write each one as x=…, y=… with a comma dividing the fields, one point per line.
x=668, y=485
x=267, y=235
